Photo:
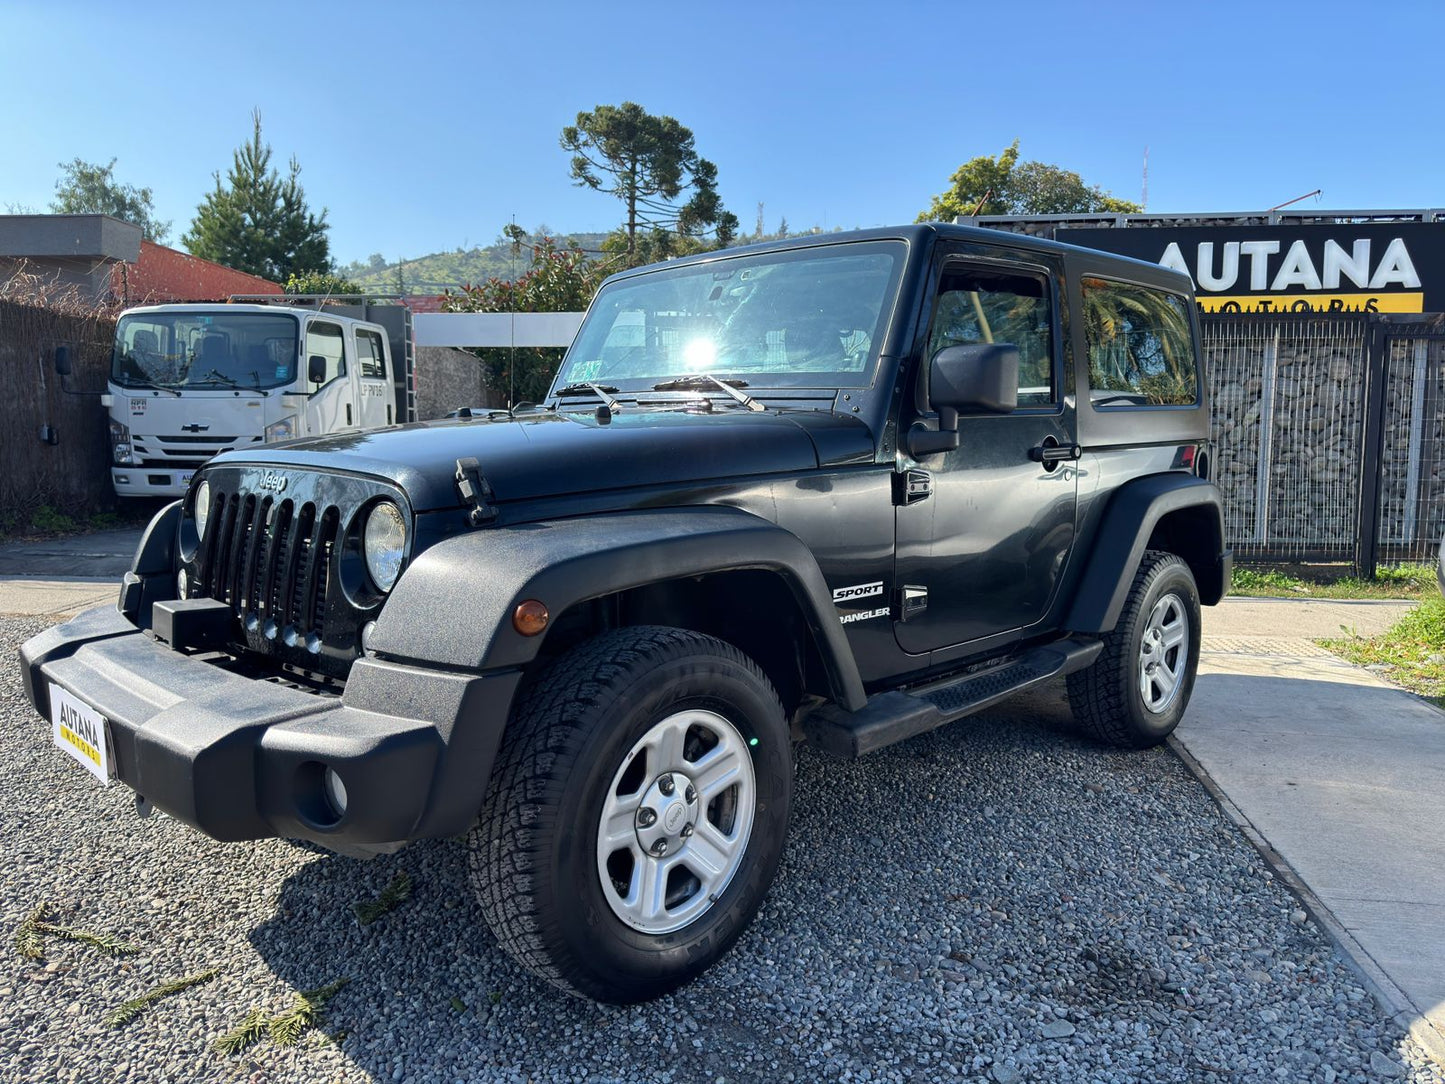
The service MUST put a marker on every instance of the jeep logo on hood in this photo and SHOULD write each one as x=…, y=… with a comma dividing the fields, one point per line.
x=273, y=480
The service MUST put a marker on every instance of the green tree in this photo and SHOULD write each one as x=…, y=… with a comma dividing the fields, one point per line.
x=258, y=222
x=559, y=280
x=1005, y=186
x=89, y=188
x=321, y=282
x=649, y=163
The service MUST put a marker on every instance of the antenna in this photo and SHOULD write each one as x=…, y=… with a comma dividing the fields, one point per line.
x=1307, y=195
x=1144, y=195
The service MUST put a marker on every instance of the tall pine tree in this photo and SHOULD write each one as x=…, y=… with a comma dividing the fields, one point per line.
x=256, y=221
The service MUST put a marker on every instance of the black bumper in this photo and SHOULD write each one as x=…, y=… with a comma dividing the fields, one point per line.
x=244, y=758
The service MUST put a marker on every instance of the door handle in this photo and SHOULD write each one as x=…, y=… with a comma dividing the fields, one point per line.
x=1051, y=452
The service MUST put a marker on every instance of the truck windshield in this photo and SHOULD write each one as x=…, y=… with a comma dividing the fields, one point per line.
x=807, y=318
x=216, y=349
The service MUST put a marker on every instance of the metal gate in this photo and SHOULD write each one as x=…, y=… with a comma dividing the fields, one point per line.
x=1329, y=435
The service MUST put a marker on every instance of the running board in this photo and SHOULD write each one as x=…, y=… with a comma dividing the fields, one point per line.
x=895, y=716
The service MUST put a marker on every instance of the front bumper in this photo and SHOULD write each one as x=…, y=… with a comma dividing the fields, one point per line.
x=151, y=481
x=240, y=757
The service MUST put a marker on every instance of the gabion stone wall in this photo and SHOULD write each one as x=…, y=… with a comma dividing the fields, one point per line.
x=1412, y=469
x=1288, y=400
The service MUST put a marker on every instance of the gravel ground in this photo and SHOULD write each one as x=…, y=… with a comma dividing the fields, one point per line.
x=997, y=901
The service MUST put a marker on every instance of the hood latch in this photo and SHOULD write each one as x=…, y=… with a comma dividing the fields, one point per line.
x=476, y=491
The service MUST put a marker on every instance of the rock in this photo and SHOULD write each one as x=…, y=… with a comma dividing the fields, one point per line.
x=1385, y=1066
x=1057, y=1029
x=1005, y=1074
x=1298, y=917
x=1255, y=975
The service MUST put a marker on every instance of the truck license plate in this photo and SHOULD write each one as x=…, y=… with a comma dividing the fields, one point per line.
x=82, y=732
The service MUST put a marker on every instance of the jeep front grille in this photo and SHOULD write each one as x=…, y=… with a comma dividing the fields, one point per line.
x=287, y=562
x=270, y=561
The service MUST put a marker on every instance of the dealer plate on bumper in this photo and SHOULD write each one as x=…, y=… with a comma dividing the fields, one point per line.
x=82, y=732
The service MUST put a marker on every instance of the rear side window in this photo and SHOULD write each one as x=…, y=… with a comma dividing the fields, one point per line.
x=369, y=355
x=1141, y=353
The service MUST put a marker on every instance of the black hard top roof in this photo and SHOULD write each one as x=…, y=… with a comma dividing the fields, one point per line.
x=917, y=233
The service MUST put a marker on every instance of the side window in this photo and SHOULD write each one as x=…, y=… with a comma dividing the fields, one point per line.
x=987, y=306
x=370, y=355
x=1141, y=352
x=326, y=340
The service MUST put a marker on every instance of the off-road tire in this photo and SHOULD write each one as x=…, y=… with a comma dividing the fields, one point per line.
x=533, y=853
x=1106, y=699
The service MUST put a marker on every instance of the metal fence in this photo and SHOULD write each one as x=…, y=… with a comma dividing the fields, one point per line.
x=1330, y=436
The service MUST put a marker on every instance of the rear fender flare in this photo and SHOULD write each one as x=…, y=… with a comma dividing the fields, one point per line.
x=1134, y=512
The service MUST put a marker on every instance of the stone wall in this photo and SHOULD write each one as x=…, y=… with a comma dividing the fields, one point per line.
x=448, y=378
x=1307, y=444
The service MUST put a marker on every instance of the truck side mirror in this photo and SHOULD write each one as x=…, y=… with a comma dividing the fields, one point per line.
x=62, y=360
x=974, y=378
x=316, y=369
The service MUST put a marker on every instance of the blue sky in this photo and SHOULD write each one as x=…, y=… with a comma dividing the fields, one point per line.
x=423, y=127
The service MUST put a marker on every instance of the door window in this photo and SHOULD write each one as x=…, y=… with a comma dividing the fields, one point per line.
x=982, y=305
x=326, y=341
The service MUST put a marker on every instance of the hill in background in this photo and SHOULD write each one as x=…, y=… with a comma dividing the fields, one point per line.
x=460, y=267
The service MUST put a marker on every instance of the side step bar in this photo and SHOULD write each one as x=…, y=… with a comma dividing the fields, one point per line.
x=894, y=716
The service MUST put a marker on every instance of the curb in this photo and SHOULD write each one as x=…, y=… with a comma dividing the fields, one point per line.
x=1394, y=1001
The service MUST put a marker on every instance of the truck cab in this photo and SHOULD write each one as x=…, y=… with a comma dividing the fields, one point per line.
x=188, y=382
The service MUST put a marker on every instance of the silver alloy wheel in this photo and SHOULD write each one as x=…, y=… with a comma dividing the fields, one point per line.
x=1163, y=654
x=675, y=822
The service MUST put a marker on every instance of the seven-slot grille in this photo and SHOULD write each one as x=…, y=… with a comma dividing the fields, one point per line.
x=271, y=559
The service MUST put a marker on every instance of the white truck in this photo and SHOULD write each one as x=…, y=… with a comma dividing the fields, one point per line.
x=190, y=381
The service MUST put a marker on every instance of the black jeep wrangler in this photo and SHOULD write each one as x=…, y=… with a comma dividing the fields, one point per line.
x=839, y=490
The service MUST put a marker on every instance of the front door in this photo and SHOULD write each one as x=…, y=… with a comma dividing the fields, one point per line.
x=331, y=404
x=985, y=530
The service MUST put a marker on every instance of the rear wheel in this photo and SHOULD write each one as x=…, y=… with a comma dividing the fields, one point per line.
x=1136, y=693
x=636, y=815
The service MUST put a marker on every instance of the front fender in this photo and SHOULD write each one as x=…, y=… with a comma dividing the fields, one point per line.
x=453, y=606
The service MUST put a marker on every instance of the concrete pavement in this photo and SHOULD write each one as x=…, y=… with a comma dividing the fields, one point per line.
x=1339, y=777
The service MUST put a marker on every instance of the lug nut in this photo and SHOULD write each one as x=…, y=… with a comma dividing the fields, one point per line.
x=690, y=794
x=666, y=785
x=646, y=818
x=686, y=831
x=660, y=848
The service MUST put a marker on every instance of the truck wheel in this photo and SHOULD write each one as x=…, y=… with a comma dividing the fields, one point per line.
x=636, y=815
x=1136, y=693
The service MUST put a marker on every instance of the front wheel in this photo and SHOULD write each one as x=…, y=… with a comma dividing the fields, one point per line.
x=637, y=813
x=1136, y=693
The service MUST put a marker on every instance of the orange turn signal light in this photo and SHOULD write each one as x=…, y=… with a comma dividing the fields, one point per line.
x=530, y=617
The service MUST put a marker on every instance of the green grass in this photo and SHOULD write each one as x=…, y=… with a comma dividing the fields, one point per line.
x=1404, y=581
x=1412, y=652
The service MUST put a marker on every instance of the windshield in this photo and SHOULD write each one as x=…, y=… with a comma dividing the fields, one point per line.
x=204, y=350
x=808, y=318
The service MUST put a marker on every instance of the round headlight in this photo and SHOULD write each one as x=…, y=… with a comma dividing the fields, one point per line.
x=202, y=507
x=384, y=544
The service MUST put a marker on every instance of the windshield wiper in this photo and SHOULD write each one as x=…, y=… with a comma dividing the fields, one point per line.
x=586, y=387
x=702, y=380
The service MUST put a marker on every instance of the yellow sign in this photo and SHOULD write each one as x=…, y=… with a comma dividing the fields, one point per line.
x=1313, y=303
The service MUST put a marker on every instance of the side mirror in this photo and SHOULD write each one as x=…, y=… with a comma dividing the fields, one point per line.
x=316, y=369
x=62, y=360
x=976, y=378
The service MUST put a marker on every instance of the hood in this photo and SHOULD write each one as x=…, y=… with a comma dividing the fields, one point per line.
x=554, y=454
